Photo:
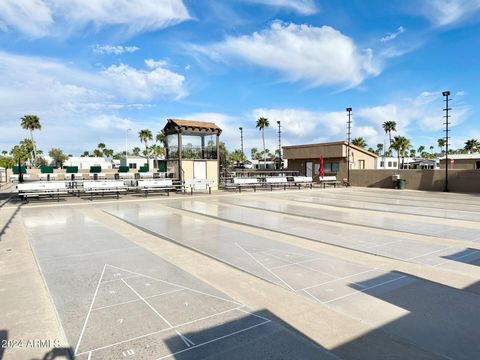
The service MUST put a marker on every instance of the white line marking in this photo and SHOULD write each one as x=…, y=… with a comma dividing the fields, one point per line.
x=131, y=301
x=459, y=257
x=430, y=253
x=385, y=244
x=250, y=313
x=279, y=278
x=164, y=330
x=89, y=355
x=214, y=340
x=128, y=277
x=363, y=290
x=90, y=253
x=89, y=310
x=338, y=279
x=186, y=340
x=148, y=304
x=181, y=286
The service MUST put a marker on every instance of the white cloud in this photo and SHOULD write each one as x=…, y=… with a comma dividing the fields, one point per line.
x=37, y=18
x=105, y=122
x=316, y=55
x=303, y=7
x=145, y=84
x=393, y=36
x=32, y=17
x=449, y=12
x=112, y=49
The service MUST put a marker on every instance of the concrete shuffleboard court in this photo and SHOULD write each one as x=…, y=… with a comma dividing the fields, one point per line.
x=407, y=307
x=340, y=215
x=116, y=300
x=395, y=246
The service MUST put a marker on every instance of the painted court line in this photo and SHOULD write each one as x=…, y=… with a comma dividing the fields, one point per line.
x=148, y=304
x=430, y=253
x=181, y=286
x=363, y=290
x=214, y=340
x=89, y=310
x=164, y=330
x=131, y=301
x=258, y=262
x=338, y=279
x=113, y=280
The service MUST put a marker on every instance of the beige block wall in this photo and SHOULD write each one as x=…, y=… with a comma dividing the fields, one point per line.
x=430, y=180
x=212, y=173
x=466, y=164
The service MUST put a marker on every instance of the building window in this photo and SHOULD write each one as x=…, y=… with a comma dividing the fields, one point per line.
x=389, y=164
x=477, y=165
x=382, y=163
x=361, y=164
x=394, y=164
x=132, y=165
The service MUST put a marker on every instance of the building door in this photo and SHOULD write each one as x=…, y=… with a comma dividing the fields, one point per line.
x=309, y=168
x=199, y=170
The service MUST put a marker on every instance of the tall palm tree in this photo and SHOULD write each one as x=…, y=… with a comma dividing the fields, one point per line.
x=388, y=127
x=101, y=146
x=441, y=144
x=471, y=145
x=136, y=151
x=236, y=156
x=379, y=150
x=108, y=153
x=400, y=144
x=160, y=138
x=263, y=123
x=157, y=151
x=144, y=136
x=97, y=153
x=360, y=142
x=31, y=123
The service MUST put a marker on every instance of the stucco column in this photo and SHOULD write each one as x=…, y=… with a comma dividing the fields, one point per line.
x=180, y=174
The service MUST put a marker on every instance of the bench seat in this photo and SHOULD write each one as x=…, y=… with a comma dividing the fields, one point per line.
x=42, y=189
x=239, y=183
x=155, y=185
x=104, y=187
x=199, y=184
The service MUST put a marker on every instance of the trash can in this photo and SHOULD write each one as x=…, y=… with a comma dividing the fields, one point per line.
x=401, y=183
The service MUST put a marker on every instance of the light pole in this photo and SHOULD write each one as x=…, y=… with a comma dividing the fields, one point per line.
x=126, y=144
x=241, y=142
x=446, y=94
x=280, y=144
x=349, y=133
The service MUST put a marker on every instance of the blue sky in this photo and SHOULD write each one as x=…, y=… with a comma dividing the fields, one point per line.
x=91, y=70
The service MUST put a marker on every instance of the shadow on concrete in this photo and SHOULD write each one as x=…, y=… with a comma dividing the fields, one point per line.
x=467, y=256
x=249, y=336
x=3, y=340
x=8, y=222
x=61, y=353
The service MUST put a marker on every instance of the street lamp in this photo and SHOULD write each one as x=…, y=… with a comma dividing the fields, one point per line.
x=241, y=142
x=126, y=144
x=349, y=133
x=280, y=144
x=446, y=94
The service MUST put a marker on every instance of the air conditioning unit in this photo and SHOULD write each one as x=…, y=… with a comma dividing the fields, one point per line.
x=395, y=177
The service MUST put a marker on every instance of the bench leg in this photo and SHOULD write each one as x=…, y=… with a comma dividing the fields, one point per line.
x=209, y=190
x=254, y=189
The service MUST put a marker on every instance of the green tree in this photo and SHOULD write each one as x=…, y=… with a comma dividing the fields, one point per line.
x=401, y=144
x=421, y=149
x=413, y=153
x=85, y=154
x=379, y=150
x=136, y=151
x=157, y=151
x=31, y=123
x=145, y=135
x=29, y=147
x=108, y=153
x=223, y=154
x=360, y=142
x=236, y=157
x=263, y=123
x=160, y=138
x=97, y=153
x=58, y=156
x=471, y=146
x=388, y=127
x=441, y=144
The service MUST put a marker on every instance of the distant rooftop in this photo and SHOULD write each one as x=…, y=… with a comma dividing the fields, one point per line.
x=192, y=125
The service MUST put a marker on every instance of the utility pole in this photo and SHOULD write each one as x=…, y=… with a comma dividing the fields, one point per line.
x=241, y=142
x=349, y=134
x=446, y=123
x=280, y=144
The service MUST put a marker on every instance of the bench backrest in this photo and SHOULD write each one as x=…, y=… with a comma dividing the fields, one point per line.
x=71, y=169
x=304, y=179
x=42, y=186
x=327, y=178
x=123, y=169
x=98, y=185
x=245, y=181
x=95, y=169
x=45, y=169
x=155, y=183
x=276, y=180
x=199, y=183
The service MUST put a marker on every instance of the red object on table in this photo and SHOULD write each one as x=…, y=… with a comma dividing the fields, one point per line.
x=322, y=167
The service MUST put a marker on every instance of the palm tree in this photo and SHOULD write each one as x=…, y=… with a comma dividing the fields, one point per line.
x=144, y=136
x=254, y=153
x=30, y=123
x=237, y=157
x=97, y=153
x=471, y=145
x=157, y=151
x=263, y=123
x=136, y=151
x=108, y=153
x=28, y=146
x=413, y=153
x=400, y=144
x=160, y=138
x=421, y=149
x=441, y=144
x=379, y=149
x=431, y=149
x=86, y=153
x=101, y=146
x=388, y=127
x=360, y=142
x=58, y=156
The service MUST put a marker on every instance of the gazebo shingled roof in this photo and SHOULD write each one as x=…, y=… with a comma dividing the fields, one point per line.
x=180, y=124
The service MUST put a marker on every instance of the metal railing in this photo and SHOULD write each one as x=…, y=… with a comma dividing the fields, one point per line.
x=192, y=152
